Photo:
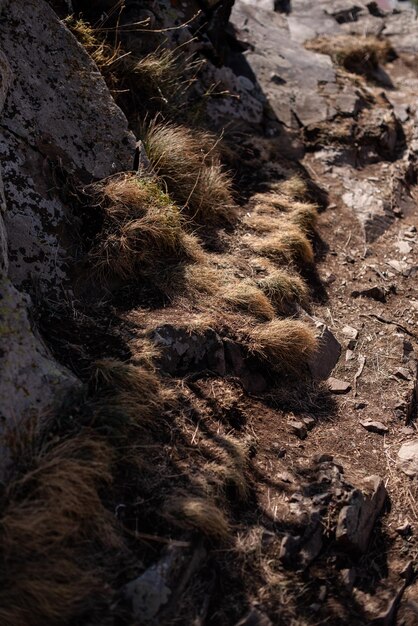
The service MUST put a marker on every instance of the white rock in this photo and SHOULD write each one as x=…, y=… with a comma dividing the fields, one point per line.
x=408, y=458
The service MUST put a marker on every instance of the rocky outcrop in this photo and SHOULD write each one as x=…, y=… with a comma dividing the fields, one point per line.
x=57, y=120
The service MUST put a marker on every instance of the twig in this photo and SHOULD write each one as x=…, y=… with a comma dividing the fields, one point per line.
x=385, y=321
x=362, y=362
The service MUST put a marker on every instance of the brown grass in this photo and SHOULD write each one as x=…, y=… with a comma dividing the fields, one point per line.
x=294, y=187
x=142, y=233
x=304, y=216
x=246, y=296
x=200, y=514
x=157, y=81
x=132, y=391
x=286, y=344
x=359, y=55
x=188, y=163
x=283, y=288
x=291, y=244
x=53, y=531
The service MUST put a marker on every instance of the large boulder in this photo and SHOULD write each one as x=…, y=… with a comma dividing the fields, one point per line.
x=58, y=120
x=59, y=117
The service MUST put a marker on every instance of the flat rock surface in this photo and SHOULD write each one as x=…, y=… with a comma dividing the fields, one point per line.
x=58, y=113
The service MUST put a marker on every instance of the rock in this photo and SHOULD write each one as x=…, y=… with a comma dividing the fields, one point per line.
x=404, y=529
x=323, y=458
x=185, y=351
x=254, y=618
x=360, y=405
x=152, y=590
x=149, y=592
x=238, y=364
x=375, y=293
x=398, y=266
x=338, y=386
x=300, y=550
x=408, y=458
x=349, y=355
x=373, y=204
x=309, y=422
x=298, y=429
x=375, y=427
x=404, y=247
x=328, y=353
x=59, y=114
x=350, y=332
x=402, y=373
x=274, y=49
x=31, y=380
x=356, y=520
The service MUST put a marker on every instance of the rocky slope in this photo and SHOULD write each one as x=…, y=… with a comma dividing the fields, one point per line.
x=182, y=441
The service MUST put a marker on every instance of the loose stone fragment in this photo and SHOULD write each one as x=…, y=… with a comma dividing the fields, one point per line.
x=408, y=458
x=299, y=429
x=357, y=519
x=338, y=386
x=375, y=427
x=350, y=332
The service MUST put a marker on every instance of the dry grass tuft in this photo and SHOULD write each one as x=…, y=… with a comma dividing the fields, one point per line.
x=287, y=344
x=230, y=465
x=188, y=163
x=291, y=245
x=142, y=232
x=247, y=297
x=294, y=188
x=53, y=531
x=200, y=514
x=128, y=392
x=304, y=216
x=158, y=80
x=284, y=288
x=360, y=55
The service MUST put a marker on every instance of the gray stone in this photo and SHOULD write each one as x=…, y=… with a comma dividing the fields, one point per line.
x=298, y=428
x=408, y=458
x=375, y=293
x=276, y=50
x=350, y=332
x=183, y=351
x=58, y=114
x=402, y=373
x=338, y=386
x=300, y=550
x=152, y=590
x=328, y=353
x=374, y=204
x=357, y=519
x=309, y=422
x=374, y=427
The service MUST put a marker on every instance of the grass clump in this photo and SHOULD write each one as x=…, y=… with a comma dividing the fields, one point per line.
x=304, y=216
x=128, y=395
x=199, y=514
x=359, y=55
x=188, y=163
x=54, y=530
x=294, y=187
x=142, y=231
x=287, y=344
x=284, y=288
x=290, y=244
x=156, y=81
x=246, y=296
